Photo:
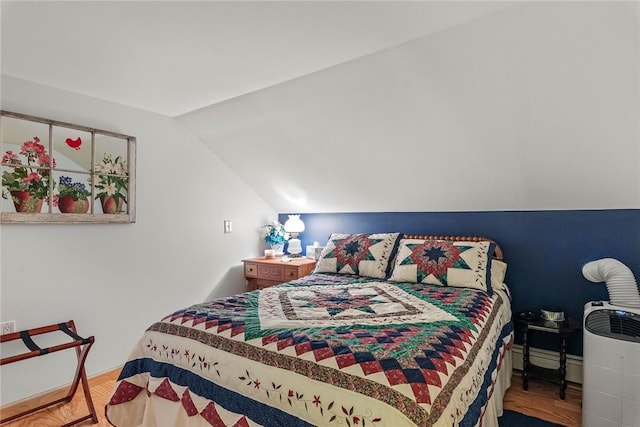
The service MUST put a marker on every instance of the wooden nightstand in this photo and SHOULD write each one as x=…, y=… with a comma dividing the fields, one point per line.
x=263, y=272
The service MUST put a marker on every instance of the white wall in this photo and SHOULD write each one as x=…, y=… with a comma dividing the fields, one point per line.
x=535, y=107
x=115, y=280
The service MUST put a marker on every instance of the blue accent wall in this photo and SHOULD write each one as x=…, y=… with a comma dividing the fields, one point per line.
x=544, y=250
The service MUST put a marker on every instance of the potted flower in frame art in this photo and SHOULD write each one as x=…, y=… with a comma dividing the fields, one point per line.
x=111, y=182
x=27, y=183
x=72, y=196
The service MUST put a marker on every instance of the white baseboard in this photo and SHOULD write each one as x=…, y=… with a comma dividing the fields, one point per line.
x=549, y=359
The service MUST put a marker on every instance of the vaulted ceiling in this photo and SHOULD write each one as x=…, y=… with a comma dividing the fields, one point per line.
x=327, y=106
x=173, y=57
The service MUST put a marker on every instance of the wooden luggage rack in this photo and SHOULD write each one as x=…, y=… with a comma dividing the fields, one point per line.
x=82, y=346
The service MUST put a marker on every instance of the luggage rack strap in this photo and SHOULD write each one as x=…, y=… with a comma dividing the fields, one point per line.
x=26, y=339
x=65, y=328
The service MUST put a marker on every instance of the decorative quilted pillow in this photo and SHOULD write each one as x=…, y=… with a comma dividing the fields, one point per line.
x=442, y=262
x=367, y=255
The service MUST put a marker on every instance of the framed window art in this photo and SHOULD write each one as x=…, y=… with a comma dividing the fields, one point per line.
x=56, y=172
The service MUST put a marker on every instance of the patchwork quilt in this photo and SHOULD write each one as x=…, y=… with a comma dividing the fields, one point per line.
x=327, y=349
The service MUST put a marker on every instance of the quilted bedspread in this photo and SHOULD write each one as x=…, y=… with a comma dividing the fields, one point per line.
x=322, y=350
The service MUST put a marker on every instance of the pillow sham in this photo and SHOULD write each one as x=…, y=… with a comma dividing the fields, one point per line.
x=443, y=262
x=367, y=255
x=498, y=271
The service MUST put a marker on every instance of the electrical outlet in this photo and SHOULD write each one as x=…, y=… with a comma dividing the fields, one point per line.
x=8, y=327
x=227, y=226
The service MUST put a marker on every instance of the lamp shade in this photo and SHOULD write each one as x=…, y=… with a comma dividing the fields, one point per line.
x=294, y=224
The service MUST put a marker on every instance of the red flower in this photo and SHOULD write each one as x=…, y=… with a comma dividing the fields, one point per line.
x=316, y=400
x=10, y=158
x=33, y=176
x=32, y=147
x=290, y=393
x=256, y=383
x=43, y=160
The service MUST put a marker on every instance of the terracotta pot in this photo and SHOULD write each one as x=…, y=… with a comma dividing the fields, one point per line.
x=24, y=203
x=109, y=205
x=66, y=204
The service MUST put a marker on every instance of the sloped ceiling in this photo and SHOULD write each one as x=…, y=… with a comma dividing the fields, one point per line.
x=525, y=109
x=368, y=106
x=172, y=57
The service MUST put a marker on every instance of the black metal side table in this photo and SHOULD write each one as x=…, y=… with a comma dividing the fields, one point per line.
x=563, y=329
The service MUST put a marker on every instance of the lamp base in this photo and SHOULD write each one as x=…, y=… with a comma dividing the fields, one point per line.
x=294, y=248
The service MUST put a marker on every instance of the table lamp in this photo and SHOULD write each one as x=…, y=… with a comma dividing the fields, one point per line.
x=294, y=226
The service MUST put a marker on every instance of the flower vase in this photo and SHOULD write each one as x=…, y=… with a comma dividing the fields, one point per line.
x=279, y=248
x=66, y=204
x=110, y=206
x=25, y=203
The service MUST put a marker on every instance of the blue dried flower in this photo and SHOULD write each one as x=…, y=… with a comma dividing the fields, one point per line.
x=274, y=234
x=66, y=180
x=77, y=190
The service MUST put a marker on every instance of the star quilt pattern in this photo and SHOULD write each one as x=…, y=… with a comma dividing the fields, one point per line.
x=327, y=348
x=366, y=255
x=441, y=262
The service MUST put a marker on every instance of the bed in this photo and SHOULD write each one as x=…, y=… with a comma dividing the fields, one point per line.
x=389, y=330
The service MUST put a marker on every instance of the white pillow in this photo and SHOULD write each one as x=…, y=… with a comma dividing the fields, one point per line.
x=498, y=271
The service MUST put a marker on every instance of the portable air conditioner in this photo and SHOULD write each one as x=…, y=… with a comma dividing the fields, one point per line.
x=611, y=363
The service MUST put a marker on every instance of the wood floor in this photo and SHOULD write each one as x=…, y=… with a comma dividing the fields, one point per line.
x=541, y=400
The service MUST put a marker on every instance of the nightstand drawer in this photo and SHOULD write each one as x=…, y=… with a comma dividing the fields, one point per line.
x=290, y=273
x=271, y=272
x=263, y=272
x=250, y=270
